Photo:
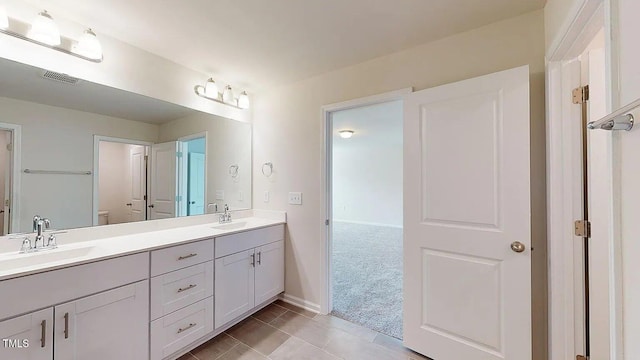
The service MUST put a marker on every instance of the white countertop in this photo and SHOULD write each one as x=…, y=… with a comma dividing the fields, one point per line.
x=80, y=246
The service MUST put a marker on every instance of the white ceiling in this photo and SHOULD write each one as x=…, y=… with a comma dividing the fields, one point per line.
x=373, y=125
x=24, y=82
x=259, y=43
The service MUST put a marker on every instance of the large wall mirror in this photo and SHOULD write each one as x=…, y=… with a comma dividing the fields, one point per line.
x=83, y=154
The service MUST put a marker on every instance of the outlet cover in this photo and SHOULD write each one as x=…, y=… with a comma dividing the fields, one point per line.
x=266, y=197
x=295, y=198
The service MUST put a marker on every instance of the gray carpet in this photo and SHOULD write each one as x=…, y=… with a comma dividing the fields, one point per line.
x=367, y=276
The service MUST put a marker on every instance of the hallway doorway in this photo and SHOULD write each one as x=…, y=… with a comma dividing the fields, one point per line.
x=366, y=232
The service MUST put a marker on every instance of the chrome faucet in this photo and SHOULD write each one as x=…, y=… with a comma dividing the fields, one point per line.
x=40, y=224
x=226, y=217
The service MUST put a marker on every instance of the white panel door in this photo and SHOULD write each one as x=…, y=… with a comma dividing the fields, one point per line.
x=467, y=293
x=110, y=325
x=137, y=201
x=196, y=183
x=269, y=271
x=234, y=286
x=28, y=337
x=164, y=174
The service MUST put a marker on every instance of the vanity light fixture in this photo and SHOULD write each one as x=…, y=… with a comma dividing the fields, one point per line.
x=346, y=134
x=4, y=19
x=210, y=91
x=44, y=31
x=88, y=45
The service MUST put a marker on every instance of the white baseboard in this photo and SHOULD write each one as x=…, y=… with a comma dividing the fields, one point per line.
x=367, y=223
x=294, y=300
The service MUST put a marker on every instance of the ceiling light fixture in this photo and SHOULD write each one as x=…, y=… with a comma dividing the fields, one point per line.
x=211, y=91
x=44, y=31
x=345, y=134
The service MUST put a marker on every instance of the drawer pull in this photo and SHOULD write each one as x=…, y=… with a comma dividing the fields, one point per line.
x=43, y=324
x=187, y=288
x=186, y=328
x=183, y=257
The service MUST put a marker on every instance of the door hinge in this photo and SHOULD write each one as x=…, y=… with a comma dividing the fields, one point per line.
x=179, y=154
x=144, y=197
x=326, y=222
x=582, y=357
x=581, y=94
x=583, y=228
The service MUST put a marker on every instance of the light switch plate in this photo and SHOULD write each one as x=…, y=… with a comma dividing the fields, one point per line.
x=266, y=196
x=295, y=198
x=240, y=196
x=219, y=194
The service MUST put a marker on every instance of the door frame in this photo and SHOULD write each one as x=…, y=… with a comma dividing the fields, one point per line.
x=586, y=18
x=326, y=174
x=182, y=170
x=16, y=171
x=95, y=200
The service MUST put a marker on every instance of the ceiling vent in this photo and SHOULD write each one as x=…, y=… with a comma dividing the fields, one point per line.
x=58, y=77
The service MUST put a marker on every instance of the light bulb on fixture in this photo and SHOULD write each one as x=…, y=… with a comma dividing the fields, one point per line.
x=243, y=100
x=4, y=19
x=44, y=30
x=211, y=89
x=227, y=95
x=345, y=134
x=88, y=46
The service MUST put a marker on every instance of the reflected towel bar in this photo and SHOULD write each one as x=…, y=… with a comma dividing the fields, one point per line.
x=56, y=172
x=621, y=119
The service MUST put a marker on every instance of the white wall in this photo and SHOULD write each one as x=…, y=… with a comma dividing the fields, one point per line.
x=5, y=170
x=228, y=142
x=61, y=139
x=627, y=176
x=288, y=132
x=367, y=168
x=124, y=67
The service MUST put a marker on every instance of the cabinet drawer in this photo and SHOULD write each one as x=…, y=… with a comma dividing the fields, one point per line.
x=231, y=244
x=177, y=289
x=179, y=329
x=70, y=283
x=181, y=256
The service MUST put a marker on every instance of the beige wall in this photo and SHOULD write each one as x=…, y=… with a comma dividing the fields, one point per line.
x=557, y=15
x=288, y=132
x=54, y=138
x=228, y=142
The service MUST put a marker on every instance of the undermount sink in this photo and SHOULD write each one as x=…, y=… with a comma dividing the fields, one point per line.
x=231, y=226
x=14, y=261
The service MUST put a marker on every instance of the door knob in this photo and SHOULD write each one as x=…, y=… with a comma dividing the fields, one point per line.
x=151, y=206
x=517, y=246
x=129, y=204
x=193, y=202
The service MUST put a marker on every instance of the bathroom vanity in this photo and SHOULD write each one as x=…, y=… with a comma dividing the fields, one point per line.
x=152, y=294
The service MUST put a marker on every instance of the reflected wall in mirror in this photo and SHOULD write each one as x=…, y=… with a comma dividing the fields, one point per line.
x=99, y=155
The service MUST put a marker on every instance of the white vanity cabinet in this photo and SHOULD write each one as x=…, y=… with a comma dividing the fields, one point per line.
x=87, y=315
x=28, y=337
x=249, y=270
x=105, y=326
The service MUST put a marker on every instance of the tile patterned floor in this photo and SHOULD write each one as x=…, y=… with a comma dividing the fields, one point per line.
x=282, y=331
